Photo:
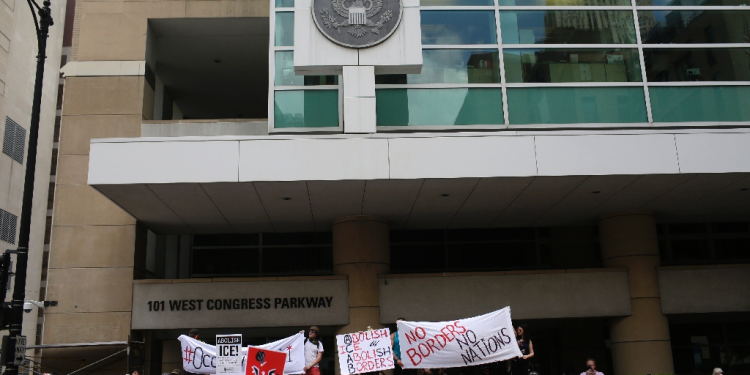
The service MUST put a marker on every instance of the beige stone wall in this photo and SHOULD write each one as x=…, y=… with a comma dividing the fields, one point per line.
x=93, y=241
x=116, y=30
x=93, y=256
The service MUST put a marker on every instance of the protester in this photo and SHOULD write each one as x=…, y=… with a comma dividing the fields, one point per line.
x=313, y=351
x=396, y=346
x=591, y=368
x=522, y=365
x=718, y=371
x=194, y=333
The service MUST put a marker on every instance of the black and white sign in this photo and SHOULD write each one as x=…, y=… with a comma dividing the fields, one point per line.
x=365, y=351
x=229, y=354
x=20, y=350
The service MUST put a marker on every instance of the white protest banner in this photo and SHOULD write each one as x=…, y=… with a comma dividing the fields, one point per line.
x=229, y=356
x=365, y=351
x=294, y=347
x=200, y=358
x=465, y=342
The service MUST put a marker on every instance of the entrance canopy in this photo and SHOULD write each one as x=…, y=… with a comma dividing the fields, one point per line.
x=416, y=181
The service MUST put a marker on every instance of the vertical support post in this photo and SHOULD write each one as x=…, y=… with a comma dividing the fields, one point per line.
x=640, y=342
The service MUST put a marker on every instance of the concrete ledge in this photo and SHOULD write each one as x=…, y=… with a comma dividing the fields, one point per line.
x=373, y=157
x=686, y=290
x=204, y=128
x=542, y=295
x=103, y=68
x=241, y=279
x=491, y=273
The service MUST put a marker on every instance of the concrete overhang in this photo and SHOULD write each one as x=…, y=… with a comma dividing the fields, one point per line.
x=301, y=183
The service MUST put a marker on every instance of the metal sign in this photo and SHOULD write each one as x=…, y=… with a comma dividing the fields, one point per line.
x=357, y=23
x=20, y=350
x=229, y=354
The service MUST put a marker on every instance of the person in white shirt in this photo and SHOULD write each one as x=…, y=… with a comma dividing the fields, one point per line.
x=591, y=368
x=313, y=351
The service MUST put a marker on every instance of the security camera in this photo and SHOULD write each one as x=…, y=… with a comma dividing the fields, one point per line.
x=29, y=304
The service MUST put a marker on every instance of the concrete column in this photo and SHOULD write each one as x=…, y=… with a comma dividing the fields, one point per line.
x=361, y=251
x=640, y=342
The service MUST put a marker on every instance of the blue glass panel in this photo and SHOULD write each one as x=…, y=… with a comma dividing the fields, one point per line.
x=458, y=27
x=576, y=105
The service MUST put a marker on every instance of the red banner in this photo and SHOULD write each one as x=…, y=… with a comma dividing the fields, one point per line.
x=264, y=362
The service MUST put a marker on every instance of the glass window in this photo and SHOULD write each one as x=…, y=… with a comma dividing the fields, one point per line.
x=285, y=3
x=306, y=109
x=688, y=251
x=573, y=105
x=458, y=27
x=297, y=260
x=690, y=2
x=451, y=66
x=418, y=257
x=284, y=35
x=226, y=262
x=693, y=26
x=489, y=256
x=569, y=65
x=732, y=248
x=441, y=3
x=700, y=103
x=697, y=64
x=461, y=106
x=285, y=73
x=567, y=27
x=564, y=2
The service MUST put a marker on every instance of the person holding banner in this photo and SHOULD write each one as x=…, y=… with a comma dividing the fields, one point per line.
x=313, y=351
x=522, y=365
x=399, y=365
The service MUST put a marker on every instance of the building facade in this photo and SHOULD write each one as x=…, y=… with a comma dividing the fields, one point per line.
x=18, y=56
x=583, y=162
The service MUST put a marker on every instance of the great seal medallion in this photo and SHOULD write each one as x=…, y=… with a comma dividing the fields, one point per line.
x=357, y=23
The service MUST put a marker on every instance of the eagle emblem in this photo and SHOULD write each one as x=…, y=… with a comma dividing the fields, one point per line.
x=357, y=15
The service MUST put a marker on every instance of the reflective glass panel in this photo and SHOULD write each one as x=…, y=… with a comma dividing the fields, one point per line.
x=568, y=65
x=458, y=27
x=442, y=3
x=697, y=64
x=690, y=2
x=306, y=109
x=461, y=106
x=285, y=3
x=564, y=2
x=575, y=105
x=285, y=73
x=700, y=103
x=694, y=26
x=284, y=35
x=451, y=66
x=567, y=27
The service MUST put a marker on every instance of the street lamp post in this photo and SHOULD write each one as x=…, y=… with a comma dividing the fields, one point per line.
x=19, y=291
